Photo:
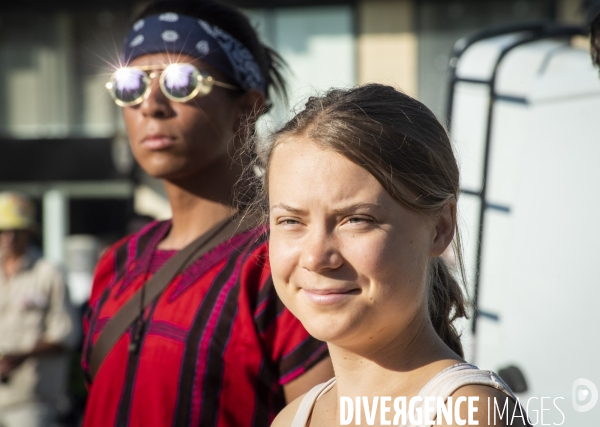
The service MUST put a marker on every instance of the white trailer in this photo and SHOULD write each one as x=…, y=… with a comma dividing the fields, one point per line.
x=524, y=113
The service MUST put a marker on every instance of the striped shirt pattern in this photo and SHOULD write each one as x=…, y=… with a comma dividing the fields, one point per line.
x=216, y=348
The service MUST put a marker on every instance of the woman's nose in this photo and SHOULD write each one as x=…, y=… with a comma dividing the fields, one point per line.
x=156, y=104
x=320, y=252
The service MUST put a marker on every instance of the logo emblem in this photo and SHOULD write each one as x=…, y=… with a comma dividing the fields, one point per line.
x=584, y=391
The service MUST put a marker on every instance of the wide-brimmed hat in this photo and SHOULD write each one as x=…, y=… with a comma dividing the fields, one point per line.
x=17, y=212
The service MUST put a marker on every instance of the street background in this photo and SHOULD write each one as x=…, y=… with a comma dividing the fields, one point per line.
x=62, y=142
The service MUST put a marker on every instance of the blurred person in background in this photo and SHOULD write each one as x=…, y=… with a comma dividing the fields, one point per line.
x=37, y=323
x=216, y=346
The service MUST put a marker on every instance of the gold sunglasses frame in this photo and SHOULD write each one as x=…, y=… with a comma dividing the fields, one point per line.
x=203, y=87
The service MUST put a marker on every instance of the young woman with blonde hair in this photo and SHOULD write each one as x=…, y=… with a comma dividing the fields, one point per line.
x=361, y=189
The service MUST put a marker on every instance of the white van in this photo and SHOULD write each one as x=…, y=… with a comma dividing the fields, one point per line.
x=525, y=117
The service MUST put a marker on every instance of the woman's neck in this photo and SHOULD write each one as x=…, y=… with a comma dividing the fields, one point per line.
x=199, y=202
x=397, y=366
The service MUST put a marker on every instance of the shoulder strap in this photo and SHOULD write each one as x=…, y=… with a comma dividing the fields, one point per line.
x=150, y=290
x=308, y=403
x=460, y=375
x=456, y=376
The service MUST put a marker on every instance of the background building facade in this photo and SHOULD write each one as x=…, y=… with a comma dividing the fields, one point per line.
x=62, y=139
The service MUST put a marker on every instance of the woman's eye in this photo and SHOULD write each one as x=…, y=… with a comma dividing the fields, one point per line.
x=359, y=220
x=288, y=221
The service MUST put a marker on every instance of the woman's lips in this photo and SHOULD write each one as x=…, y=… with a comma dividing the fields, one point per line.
x=328, y=296
x=157, y=142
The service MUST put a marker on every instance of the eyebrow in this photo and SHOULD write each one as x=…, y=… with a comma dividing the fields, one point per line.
x=288, y=208
x=346, y=210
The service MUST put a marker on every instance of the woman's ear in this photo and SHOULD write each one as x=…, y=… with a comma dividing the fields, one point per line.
x=251, y=105
x=444, y=229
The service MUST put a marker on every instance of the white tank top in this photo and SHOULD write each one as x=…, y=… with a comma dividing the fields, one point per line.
x=443, y=385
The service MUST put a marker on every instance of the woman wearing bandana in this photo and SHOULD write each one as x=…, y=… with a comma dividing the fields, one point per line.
x=216, y=347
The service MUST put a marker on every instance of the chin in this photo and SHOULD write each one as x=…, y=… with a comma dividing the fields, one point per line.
x=161, y=165
x=165, y=171
x=164, y=175
x=327, y=327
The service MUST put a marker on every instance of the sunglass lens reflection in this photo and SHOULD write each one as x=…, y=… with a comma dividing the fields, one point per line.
x=129, y=84
x=180, y=80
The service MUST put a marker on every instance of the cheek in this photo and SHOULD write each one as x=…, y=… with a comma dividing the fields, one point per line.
x=283, y=258
x=132, y=125
x=212, y=115
x=395, y=269
x=131, y=119
x=282, y=263
x=209, y=134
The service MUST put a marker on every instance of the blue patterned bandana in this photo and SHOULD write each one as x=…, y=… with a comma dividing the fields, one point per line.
x=175, y=33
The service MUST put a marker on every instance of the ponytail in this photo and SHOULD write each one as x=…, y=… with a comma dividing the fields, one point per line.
x=446, y=304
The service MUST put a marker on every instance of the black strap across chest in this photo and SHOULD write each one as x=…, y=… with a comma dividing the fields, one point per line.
x=151, y=290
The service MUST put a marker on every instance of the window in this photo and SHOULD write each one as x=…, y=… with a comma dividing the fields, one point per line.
x=52, y=73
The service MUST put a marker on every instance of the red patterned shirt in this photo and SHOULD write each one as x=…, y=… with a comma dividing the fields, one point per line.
x=217, y=346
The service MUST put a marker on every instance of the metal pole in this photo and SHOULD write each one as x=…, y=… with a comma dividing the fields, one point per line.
x=55, y=205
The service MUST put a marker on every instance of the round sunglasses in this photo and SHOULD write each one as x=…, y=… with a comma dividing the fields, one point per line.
x=179, y=82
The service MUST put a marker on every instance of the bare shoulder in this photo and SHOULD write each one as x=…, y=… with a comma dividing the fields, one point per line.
x=485, y=406
x=287, y=414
